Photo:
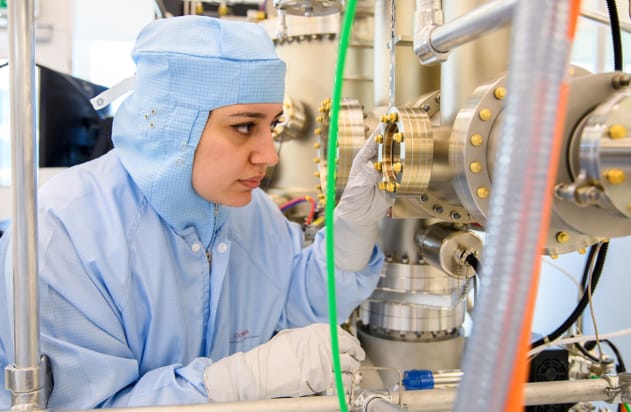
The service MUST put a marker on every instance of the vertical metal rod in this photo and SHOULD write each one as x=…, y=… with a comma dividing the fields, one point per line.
x=24, y=182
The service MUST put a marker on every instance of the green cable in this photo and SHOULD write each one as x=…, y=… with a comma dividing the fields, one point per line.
x=330, y=195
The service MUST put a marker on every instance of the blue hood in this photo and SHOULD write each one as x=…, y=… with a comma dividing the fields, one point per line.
x=186, y=67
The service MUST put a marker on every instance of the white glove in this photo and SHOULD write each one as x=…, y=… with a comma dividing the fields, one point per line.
x=295, y=362
x=361, y=208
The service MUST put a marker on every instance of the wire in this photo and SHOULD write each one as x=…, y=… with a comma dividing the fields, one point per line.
x=297, y=201
x=472, y=260
x=621, y=366
x=575, y=339
x=616, y=35
x=580, y=307
x=566, y=273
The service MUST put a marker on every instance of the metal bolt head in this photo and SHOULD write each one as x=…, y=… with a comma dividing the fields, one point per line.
x=482, y=192
x=316, y=145
x=475, y=167
x=476, y=139
x=382, y=185
x=397, y=137
x=397, y=167
x=562, y=237
x=384, y=118
x=317, y=131
x=379, y=138
x=316, y=160
x=378, y=166
x=390, y=187
x=615, y=176
x=316, y=174
x=617, y=131
x=499, y=93
x=485, y=114
x=393, y=117
x=581, y=251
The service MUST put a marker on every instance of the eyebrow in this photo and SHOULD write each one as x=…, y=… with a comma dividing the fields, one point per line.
x=255, y=115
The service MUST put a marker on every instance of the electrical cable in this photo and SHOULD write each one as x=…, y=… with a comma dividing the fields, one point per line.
x=620, y=367
x=474, y=262
x=580, y=307
x=575, y=339
x=616, y=34
x=297, y=201
x=345, y=30
x=566, y=273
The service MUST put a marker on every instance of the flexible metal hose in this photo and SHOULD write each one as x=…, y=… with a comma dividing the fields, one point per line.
x=519, y=208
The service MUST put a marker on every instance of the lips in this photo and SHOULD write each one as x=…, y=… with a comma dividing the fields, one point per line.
x=252, y=182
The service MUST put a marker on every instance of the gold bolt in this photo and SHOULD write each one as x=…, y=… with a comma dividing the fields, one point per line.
x=393, y=117
x=615, y=176
x=379, y=138
x=382, y=186
x=482, y=192
x=319, y=119
x=317, y=131
x=318, y=187
x=321, y=109
x=617, y=131
x=321, y=196
x=476, y=139
x=378, y=166
x=581, y=251
x=317, y=145
x=397, y=137
x=554, y=257
x=562, y=237
x=390, y=187
x=316, y=160
x=316, y=173
x=499, y=93
x=475, y=167
x=384, y=118
x=397, y=167
x=485, y=114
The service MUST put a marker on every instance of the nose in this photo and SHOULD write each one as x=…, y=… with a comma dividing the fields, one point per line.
x=265, y=151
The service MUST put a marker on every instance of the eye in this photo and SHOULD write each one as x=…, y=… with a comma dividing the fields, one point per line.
x=244, y=128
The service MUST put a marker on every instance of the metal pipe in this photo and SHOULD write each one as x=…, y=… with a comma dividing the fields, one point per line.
x=604, y=19
x=434, y=400
x=381, y=70
x=28, y=378
x=382, y=405
x=468, y=27
x=24, y=182
x=536, y=393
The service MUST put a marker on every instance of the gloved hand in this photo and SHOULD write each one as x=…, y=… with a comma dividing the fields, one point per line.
x=359, y=211
x=295, y=362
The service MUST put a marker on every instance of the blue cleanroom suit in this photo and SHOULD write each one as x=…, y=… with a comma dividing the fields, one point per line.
x=143, y=283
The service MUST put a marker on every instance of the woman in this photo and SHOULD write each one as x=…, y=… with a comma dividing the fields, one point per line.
x=164, y=269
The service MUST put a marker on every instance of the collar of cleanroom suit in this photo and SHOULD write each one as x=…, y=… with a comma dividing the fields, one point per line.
x=131, y=309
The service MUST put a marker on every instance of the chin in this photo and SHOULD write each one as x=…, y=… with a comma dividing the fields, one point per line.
x=241, y=200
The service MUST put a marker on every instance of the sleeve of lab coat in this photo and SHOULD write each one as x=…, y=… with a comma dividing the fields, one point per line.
x=85, y=339
x=308, y=296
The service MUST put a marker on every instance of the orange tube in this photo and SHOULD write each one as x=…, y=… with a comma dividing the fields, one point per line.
x=515, y=399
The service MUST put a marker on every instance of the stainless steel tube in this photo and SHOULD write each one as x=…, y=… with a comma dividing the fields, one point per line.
x=435, y=400
x=24, y=183
x=382, y=405
x=537, y=393
x=471, y=25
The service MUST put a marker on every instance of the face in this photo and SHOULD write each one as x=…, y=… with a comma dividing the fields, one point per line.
x=234, y=150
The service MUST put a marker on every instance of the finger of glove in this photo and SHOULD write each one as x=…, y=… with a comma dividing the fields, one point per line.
x=349, y=344
x=363, y=157
x=348, y=363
